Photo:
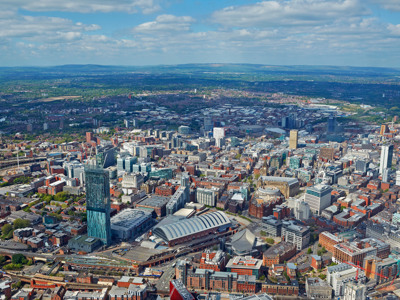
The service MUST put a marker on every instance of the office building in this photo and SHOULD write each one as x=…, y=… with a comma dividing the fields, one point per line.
x=293, y=139
x=386, y=175
x=296, y=234
x=219, y=142
x=386, y=158
x=332, y=126
x=384, y=129
x=398, y=178
x=294, y=162
x=301, y=210
x=388, y=267
x=105, y=155
x=129, y=161
x=318, y=198
x=207, y=196
x=356, y=252
x=341, y=275
x=84, y=243
x=180, y=197
x=355, y=291
x=98, y=203
x=272, y=226
x=184, y=129
x=219, y=133
x=362, y=166
x=208, y=124
x=244, y=265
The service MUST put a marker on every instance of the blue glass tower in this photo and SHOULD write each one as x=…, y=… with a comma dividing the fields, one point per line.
x=98, y=203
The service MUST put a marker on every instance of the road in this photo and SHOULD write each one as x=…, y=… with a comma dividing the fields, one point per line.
x=32, y=270
x=169, y=272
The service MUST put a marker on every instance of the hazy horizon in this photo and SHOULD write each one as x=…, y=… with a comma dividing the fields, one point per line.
x=159, y=32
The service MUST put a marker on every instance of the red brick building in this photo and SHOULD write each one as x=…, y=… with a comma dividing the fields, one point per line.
x=291, y=289
x=328, y=240
x=279, y=253
x=213, y=260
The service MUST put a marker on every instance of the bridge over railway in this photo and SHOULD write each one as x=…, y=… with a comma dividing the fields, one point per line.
x=44, y=280
x=8, y=253
x=14, y=162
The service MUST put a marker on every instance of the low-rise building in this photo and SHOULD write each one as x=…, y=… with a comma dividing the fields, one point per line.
x=244, y=265
x=316, y=288
x=279, y=253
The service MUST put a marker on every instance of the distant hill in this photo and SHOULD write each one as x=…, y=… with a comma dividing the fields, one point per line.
x=209, y=68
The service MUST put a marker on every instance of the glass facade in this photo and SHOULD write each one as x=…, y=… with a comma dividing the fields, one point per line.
x=98, y=203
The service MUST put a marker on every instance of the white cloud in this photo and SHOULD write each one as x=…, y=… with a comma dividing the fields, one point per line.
x=394, y=29
x=165, y=23
x=288, y=13
x=276, y=31
x=83, y=6
x=393, y=5
x=43, y=29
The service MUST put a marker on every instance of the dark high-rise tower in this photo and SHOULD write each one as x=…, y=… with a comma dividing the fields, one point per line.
x=332, y=124
x=98, y=203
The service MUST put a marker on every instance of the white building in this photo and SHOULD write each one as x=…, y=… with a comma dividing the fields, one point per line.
x=131, y=182
x=207, y=196
x=219, y=133
x=341, y=275
x=301, y=210
x=386, y=158
x=398, y=178
x=318, y=198
x=219, y=142
x=295, y=234
x=355, y=291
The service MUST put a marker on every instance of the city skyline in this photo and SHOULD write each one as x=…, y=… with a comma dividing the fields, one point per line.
x=295, y=32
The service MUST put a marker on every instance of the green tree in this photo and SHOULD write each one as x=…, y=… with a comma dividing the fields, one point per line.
x=17, y=285
x=286, y=276
x=19, y=259
x=12, y=267
x=263, y=233
x=309, y=251
x=323, y=250
x=61, y=196
x=6, y=229
x=270, y=241
x=21, y=223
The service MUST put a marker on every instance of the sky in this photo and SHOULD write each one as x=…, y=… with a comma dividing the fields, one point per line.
x=153, y=32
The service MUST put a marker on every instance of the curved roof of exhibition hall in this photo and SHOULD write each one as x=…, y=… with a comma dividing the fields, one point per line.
x=191, y=226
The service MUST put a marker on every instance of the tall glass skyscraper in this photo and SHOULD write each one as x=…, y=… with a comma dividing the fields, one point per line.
x=386, y=158
x=98, y=203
